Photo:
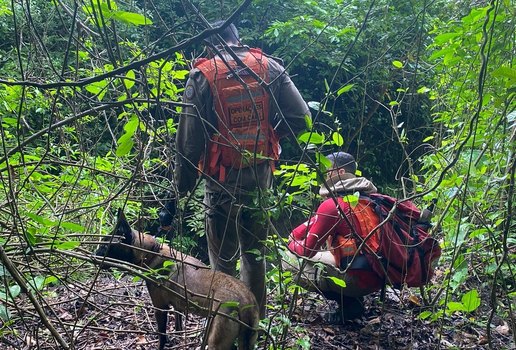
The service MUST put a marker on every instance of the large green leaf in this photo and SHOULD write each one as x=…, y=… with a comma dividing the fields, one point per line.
x=339, y=282
x=337, y=138
x=131, y=18
x=471, y=301
x=129, y=82
x=311, y=137
x=506, y=72
x=98, y=88
x=73, y=227
x=124, y=145
x=41, y=220
x=344, y=89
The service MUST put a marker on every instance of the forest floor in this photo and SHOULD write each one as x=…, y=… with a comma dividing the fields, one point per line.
x=117, y=315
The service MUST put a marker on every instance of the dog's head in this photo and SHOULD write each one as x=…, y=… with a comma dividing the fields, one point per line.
x=118, y=244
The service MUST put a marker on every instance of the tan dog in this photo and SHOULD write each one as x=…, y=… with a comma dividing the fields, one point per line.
x=189, y=286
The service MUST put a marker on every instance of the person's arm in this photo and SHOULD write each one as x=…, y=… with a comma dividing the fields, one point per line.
x=190, y=136
x=307, y=238
x=293, y=110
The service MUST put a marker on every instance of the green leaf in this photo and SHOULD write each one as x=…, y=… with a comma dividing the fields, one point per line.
x=358, y=173
x=339, y=282
x=445, y=37
x=129, y=82
x=322, y=160
x=352, y=199
x=50, y=280
x=455, y=306
x=131, y=126
x=4, y=313
x=311, y=137
x=423, y=90
x=131, y=18
x=3, y=271
x=308, y=122
x=344, y=89
x=125, y=145
x=397, y=64
x=300, y=180
x=14, y=291
x=181, y=74
x=10, y=121
x=441, y=53
x=425, y=314
x=326, y=86
x=471, y=301
x=168, y=263
x=97, y=88
x=428, y=138
x=506, y=72
x=41, y=220
x=30, y=235
x=337, y=139
x=73, y=227
x=37, y=282
x=67, y=245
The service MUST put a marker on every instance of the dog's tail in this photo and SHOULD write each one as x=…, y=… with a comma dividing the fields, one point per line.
x=248, y=332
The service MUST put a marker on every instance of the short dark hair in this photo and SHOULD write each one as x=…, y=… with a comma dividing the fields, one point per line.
x=229, y=34
x=343, y=160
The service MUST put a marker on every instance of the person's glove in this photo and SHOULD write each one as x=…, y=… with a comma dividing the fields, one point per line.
x=166, y=214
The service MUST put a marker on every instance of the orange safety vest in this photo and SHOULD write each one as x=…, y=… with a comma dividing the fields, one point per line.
x=364, y=220
x=244, y=135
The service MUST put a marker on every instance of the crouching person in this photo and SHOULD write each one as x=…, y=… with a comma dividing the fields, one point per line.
x=327, y=243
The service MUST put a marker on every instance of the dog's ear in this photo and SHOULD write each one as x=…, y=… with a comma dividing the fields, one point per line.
x=123, y=228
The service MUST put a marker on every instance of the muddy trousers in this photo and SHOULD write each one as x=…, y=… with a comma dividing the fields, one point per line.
x=234, y=234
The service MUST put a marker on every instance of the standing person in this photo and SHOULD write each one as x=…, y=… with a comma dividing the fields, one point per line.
x=229, y=131
x=335, y=227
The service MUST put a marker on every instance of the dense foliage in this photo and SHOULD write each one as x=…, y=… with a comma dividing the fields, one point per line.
x=422, y=92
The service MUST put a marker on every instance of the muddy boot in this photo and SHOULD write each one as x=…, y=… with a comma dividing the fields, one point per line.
x=349, y=309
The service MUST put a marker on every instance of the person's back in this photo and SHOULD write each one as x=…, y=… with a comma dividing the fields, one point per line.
x=286, y=114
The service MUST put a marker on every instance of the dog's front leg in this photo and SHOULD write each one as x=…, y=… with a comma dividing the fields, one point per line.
x=161, y=320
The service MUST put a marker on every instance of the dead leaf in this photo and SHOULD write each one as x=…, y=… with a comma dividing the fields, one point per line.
x=29, y=341
x=330, y=331
x=375, y=320
x=66, y=316
x=141, y=340
x=483, y=340
x=414, y=300
x=503, y=329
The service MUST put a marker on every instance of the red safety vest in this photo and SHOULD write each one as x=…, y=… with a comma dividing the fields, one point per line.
x=244, y=134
